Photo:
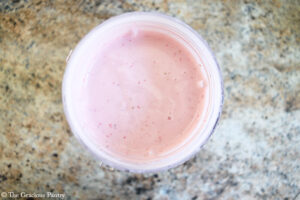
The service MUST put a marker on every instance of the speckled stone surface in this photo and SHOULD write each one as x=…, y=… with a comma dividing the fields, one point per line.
x=253, y=154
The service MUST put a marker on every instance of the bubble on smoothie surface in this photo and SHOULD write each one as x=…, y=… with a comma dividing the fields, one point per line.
x=200, y=83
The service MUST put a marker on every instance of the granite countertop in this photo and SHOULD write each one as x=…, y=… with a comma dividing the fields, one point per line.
x=254, y=152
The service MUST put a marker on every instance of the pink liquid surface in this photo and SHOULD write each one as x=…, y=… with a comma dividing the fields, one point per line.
x=143, y=95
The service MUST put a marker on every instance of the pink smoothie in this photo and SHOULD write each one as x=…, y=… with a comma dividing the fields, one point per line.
x=142, y=96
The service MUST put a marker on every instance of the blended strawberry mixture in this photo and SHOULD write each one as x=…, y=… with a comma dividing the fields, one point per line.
x=143, y=95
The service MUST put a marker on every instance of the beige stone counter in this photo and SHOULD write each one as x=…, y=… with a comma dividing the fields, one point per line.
x=254, y=153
